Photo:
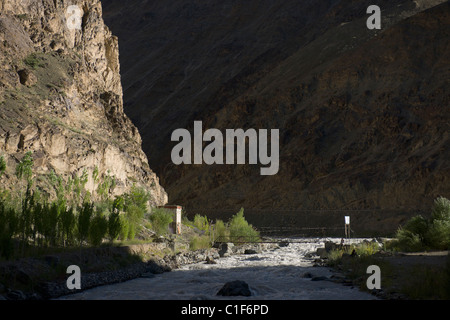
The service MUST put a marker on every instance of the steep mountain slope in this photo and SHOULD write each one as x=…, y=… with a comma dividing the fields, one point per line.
x=363, y=114
x=61, y=98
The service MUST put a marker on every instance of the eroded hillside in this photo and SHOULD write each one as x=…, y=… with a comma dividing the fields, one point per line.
x=61, y=98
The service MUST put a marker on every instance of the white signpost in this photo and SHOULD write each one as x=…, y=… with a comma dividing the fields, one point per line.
x=347, y=227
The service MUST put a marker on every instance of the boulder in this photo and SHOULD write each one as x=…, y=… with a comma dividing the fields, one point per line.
x=226, y=249
x=330, y=246
x=235, y=288
x=322, y=253
x=210, y=260
x=27, y=77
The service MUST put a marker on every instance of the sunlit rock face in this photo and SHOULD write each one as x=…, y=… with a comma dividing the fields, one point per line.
x=61, y=97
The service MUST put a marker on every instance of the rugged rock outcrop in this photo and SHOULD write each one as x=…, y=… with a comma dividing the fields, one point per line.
x=61, y=97
x=363, y=114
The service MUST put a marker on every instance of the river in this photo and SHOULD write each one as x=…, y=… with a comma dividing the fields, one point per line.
x=282, y=273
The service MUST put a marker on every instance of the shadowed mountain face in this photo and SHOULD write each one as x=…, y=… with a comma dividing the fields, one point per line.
x=61, y=100
x=362, y=114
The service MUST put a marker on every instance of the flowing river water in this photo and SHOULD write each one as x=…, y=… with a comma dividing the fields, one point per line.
x=281, y=273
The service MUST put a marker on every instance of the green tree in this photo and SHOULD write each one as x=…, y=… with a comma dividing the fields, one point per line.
x=107, y=186
x=25, y=167
x=441, y=209
x=114, y=221
x=24, y=170
x=84, y=220
x=98, y=229
x=68, y=222
x=135, y=206
x=241, y=230
x=220, y=231
x=2, y=166
x=125, y=226
x=201, y=222
x=9, y=224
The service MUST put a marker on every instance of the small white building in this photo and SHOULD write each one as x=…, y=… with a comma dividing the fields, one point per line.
x=176, y=225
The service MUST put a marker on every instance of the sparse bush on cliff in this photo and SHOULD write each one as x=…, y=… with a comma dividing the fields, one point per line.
x=2, y=166
x=33, y=61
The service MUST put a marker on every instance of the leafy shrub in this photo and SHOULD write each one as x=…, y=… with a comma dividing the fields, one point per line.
x=407, y=241
x=421, y=234
x=200, y=242
x=32, y=61
x=438, y=235
x=98, y=229
x=201, y=223
x=135, y=204
x=221, y=230
x=160, y=219
x=114, y=225
x=240, y=230
x=131, y=231
x=125, y=226
x=441, y=209
x=84, y=219
x=68, y=222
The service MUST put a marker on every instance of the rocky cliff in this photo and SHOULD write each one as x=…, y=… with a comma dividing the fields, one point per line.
x=61, y=97
x=363, y=114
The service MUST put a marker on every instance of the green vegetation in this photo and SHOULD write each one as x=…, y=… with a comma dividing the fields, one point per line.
x=2, y=166
x=418, y=280
x=200, y=242
x=240, y=230
x=201, y=223
x=428, y=282
x=30, y=219
x=33, y=61
x=160, y=220
x=237, y=230
x=364, y=249
x=414, y=281
x=421, y=234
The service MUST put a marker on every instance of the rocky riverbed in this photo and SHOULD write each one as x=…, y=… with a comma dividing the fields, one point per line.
x=284, y=270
